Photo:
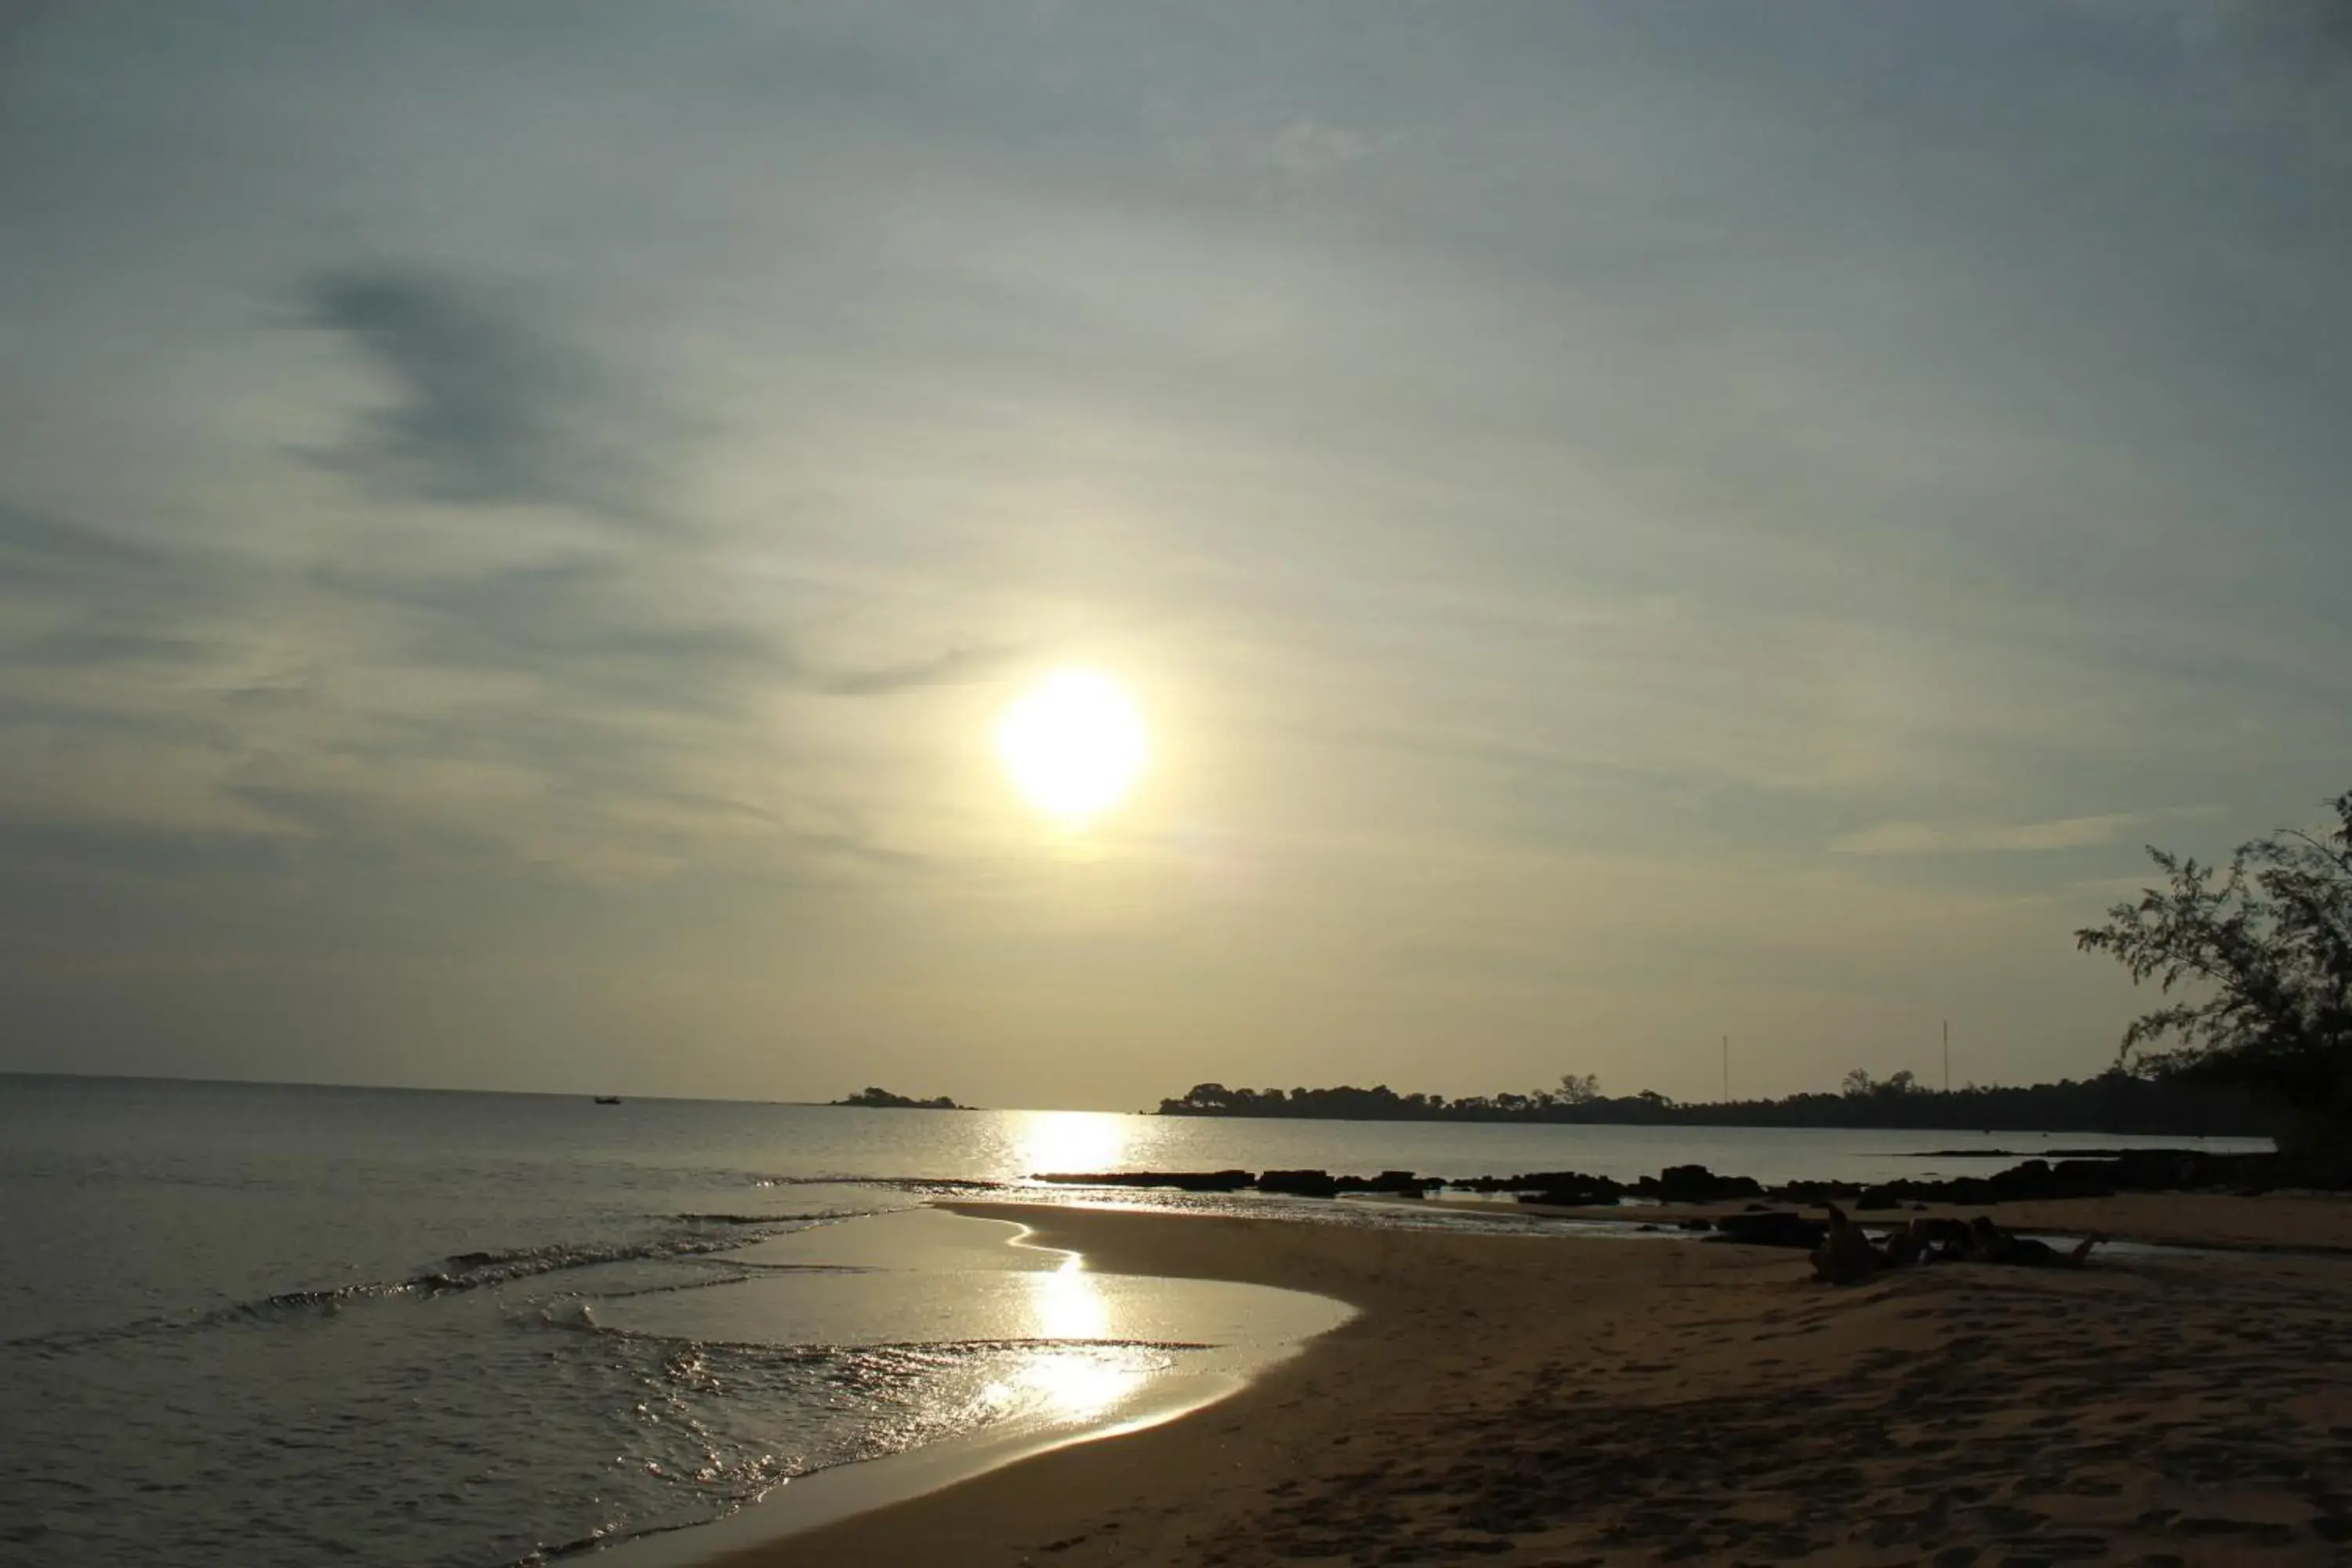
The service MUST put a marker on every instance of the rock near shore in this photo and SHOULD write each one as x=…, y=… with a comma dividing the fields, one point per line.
x=2142, y=1170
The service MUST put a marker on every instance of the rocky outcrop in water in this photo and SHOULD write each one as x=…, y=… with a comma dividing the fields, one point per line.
x=1695, y=1184
x=1182, y=1181
x=2128, y=1171
x=1573, y=1189
x=1770, y=1229
x=1569, y=1189
x=2138, y=1169
x=1284, y=1184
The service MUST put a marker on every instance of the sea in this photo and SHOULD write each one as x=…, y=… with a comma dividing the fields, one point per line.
x=278, y=1326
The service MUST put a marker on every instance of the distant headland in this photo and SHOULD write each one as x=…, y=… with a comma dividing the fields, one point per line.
x=872, y=1099
x=2114, y=1102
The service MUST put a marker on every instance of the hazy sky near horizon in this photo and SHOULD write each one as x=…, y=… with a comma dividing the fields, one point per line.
x=1627, y=522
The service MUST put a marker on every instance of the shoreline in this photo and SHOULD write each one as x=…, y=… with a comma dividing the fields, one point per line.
x=847, y=1491
x=1527, y=1399
x=1227, y=1338
x=1350, y=1266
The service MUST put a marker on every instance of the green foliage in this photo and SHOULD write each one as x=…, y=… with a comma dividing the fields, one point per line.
x=2265, y=946
x=2259, y=954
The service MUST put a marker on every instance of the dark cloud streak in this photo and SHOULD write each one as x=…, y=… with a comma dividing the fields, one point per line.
x=956, y=667
x=492, y=410
x=120, y=600
x=583, y=622
x=37, y=548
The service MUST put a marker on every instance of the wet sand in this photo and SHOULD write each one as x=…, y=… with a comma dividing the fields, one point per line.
x=1534, y=1400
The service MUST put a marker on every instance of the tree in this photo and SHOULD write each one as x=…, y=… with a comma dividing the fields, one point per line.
x=2261, y=951
x=1578, y=1089
x=1858, y=1085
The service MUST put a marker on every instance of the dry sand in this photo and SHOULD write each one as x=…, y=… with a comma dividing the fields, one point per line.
x=1534, y=1400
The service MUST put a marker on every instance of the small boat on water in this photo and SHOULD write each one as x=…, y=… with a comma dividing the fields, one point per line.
x=608, y=1099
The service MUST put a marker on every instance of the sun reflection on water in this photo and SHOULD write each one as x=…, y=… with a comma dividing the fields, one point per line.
x=1068, y=1305
x=1082, y=1377
x=1078, y=1371
x=1077, y=1384
x=1047, y=1142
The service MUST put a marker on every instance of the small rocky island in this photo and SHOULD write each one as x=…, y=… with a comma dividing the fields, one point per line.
x=872, y=1099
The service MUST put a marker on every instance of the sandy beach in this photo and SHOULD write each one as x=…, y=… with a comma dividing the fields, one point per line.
x=1539, y=1400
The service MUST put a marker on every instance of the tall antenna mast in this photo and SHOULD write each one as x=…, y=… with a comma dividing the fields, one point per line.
x=1947, y=1056
x=1727, y=1069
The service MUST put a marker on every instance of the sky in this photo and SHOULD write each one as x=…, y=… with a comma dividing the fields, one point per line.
x=1626, y=525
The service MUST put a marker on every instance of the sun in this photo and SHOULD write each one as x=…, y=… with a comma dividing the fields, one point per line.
x=1073, y=744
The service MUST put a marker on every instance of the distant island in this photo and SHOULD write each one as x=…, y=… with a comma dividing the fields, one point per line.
x=2115, y=1102
x=872, y=1099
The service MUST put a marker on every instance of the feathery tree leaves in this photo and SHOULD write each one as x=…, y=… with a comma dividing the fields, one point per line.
x=2259, y=954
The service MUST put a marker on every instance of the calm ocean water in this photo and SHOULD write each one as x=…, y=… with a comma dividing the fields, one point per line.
x=279, y=1326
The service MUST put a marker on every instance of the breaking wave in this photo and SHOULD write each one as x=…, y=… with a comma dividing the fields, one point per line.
x=705, y=1235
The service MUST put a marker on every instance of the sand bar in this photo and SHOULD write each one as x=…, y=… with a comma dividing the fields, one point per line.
x=1529, y=1400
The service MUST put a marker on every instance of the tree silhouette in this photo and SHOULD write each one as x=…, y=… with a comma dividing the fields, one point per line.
x=2116, y=1101
x=2261, y=951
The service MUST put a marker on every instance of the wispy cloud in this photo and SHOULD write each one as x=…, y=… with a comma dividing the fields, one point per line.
x=67, y=562
x=2026, y=837
x=589, y=625
x=634, y=453
x=79, y=601
x=956, y=667
x=1298, y=150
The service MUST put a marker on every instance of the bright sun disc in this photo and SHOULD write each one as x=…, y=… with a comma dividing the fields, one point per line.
x=1073, y=744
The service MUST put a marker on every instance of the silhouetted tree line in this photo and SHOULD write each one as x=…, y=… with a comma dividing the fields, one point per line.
x=873, y=1099
x=2116, y=1101
x=2254, y=958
